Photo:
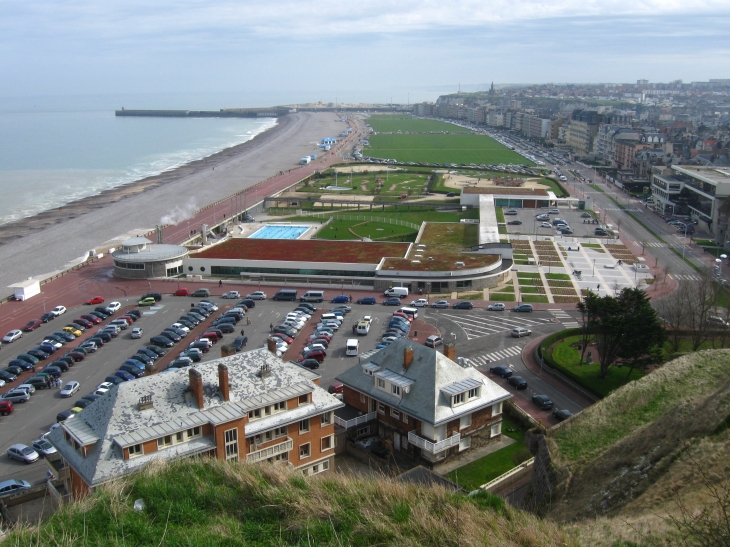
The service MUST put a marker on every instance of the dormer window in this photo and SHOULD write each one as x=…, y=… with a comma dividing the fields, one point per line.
x=395, y=390
x=473, y=393
x=458, y=399
x=381, y=383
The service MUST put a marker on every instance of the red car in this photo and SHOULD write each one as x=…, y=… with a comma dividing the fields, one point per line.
x=84, y=322
x=212, y=336
x=403, y=315
x=317, y=354
x=32, y=325
x=182, y=292
x=283, y=337
x=92, y=318
x=95, y=300
x=324, y=336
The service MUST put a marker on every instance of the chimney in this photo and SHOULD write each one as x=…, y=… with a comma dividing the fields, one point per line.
x=407, y=357
x=227, y=351
x=145, y=402
x=150, y=369
x=204, y=234
x=271, y=345
x=159, y=234
x=450, y=350
x=223, y=382
x=196, y=386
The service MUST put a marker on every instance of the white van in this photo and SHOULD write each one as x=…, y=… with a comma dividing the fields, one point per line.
x=312, y=296
x=353, y=347
x=411, y=312
x=331, y=317
x=400, y=292
x=363, y=327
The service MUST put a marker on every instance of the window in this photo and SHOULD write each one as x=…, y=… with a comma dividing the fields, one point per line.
x=136, y=450
x=464, y=443
x=405, y=418
x=381, y=383
x=304, y=426
x=231, y=444
x=474, y=393
x=362, y=397
x=280, y=432
x=363, y=431
x=496, y=409
x=465, y=421
x=179, y=437
x=381, y=408
x=304, y=451
x=457, y=399
x=303, y=399
x=164, y=442
x=325, y=465
x=254, y=414
x=394, y=413
x=194, y=433
x=496, y=429
x=327, y=443
x=327, y=418
x=394, y=389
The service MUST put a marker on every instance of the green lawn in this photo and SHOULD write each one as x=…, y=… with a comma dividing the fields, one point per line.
x=339, y=229
x=556, y=187
x=386, y=123
x=528, y=275
x=501, y=297
x=376, y=182
x=416, y=217
x=564, y=277
x=500, y=214
x=481, y=471
x=569, y=358
x=535, y=299
x=437, y=148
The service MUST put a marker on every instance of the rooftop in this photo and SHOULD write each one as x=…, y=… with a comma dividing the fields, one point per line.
x=438, y=258
x=312, y=250
x=713, y=175
x=500, y=191
x=150, y=253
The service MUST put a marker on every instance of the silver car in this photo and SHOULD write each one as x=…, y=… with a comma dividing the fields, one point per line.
x=22, y=453
x=42, y=446
x=17, y=395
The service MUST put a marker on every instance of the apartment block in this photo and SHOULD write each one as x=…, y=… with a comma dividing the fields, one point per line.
x=251, y=406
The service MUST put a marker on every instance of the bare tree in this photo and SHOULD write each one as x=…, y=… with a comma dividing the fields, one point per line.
x=673, y=310
x=703, y=298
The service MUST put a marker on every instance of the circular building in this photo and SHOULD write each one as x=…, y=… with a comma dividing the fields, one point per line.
x=139, y=258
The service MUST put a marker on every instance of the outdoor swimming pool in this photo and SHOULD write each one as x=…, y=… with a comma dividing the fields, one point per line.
x=272, y=231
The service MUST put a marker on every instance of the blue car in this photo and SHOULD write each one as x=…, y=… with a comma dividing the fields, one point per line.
x=340, y=299
x=391, y=302
x=134, y=363
x=367, y=300
x=123, y=375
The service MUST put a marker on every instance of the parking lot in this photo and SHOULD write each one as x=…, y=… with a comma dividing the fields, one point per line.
x=532, y=226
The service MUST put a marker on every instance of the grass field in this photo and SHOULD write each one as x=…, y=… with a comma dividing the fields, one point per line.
x=478, y=149
x=386, y=123
x=458, y=234
x=340, y=229
x=391, y=184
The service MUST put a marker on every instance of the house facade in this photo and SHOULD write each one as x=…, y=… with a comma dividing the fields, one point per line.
x=251, y=406
x=421, y=402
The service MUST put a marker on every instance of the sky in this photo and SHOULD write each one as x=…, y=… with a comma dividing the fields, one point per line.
x=249, y=53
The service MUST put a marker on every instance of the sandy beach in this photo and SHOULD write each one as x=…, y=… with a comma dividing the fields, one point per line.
x=47, y=241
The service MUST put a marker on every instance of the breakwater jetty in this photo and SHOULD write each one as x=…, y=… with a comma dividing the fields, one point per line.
x=273, y=112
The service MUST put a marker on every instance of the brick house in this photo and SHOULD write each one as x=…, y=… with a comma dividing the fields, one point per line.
x=422, y=402
x=251, y=406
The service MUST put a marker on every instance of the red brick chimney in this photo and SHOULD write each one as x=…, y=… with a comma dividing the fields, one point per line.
x=450, y=350
x=196, y=386
x=223, y=382
x=271, y=345
x=407, y=357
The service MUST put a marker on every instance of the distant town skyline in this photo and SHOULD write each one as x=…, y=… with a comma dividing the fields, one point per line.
x=373, y=50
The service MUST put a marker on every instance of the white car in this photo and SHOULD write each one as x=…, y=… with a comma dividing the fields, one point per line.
x=519, y=332
x=180, y=326
x=312, y=347
x=53, y=343
x=12, y=336
x=420, y=303
x=58, y=310
x=70, y=388
x=496, y=307
x=231, y=294
x=114, y=306
x=546, y=225
x=368, y=318
x=258, y=295
x=136, y=332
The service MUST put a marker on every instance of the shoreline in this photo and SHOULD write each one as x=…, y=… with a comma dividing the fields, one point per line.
x=20, y=228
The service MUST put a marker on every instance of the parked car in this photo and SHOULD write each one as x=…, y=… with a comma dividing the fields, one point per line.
x=70, y=388
x=311, y=364
x=367, y=300
x=517, y=381
x=149, y=301
x=12, y=336
x=496, y=307
x=59, y=310
x=257, y=295
x=501, y=370
x=523, y=308
x=43, y=447
x=125, y=376
x=16, y=396
x=156, y=295
x=95, y=300
x=392, y=302
x=161, y=341
x=515, y=222
x=433, y=341
x=6, y=407
x=465, y=305
x=231, y=294
x=22, y=453
x=561, y=415
x=519, y=332
x=48, y=316
x=318, y=355
x=13, y=486
x=542, y=401
x=93, y=318
x=32, y=325
x=340, y=299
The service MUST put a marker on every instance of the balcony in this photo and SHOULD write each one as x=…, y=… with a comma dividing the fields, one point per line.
x=347, y=424
x=270, y=451
x=433, y=448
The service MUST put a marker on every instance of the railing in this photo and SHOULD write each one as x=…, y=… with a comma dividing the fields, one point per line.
x=433, y=448
x=347, y=424
x=270, y=451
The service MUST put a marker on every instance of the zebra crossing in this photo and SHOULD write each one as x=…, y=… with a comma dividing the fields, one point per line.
x=655, y=244
x=562, y=315
x=475, y=326
x=487, y=358
x=686, y=277
x=153, y=310
x=630, y=209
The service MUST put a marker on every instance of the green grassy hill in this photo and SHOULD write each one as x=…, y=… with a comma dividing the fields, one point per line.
x=212, y=503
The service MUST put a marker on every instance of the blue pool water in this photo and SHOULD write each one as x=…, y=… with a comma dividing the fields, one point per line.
x=279, y=232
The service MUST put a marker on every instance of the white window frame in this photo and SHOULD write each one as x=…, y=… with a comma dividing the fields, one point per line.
x=254, y=414
x=394, y=413
x=327, y=419
x=306, y=399
x=362, y=397
x=194, y=432
x=465, y=441
x=497, y=409
x=395, y=390
x=381, y=408
x=465, y=421
x=363, y=431
x=304, y=426
x=165, y=442
x=309, y=451
x=474, y=393
x=405, y=418
x=380, y=384
x=280, y=432
x=330, y=439
x=230, y=444
x=136, y=450
x=496, y=430
x=458, y=399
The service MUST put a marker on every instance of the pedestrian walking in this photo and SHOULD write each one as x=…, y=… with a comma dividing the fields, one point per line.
x=248, y=320
x=241, y=332
x=271, y=327
x=351, y=299
x=59, y=383
x=598, y=287
x=220, y=282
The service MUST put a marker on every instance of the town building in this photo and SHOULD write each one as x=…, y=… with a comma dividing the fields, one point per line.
x=139, y=258
x=421, y=402
x=250, y=406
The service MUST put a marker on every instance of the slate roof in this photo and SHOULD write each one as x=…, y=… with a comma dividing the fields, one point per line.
x=114, y=421
x=431, y=374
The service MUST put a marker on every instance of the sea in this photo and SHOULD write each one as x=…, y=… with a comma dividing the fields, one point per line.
x=56, y=151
